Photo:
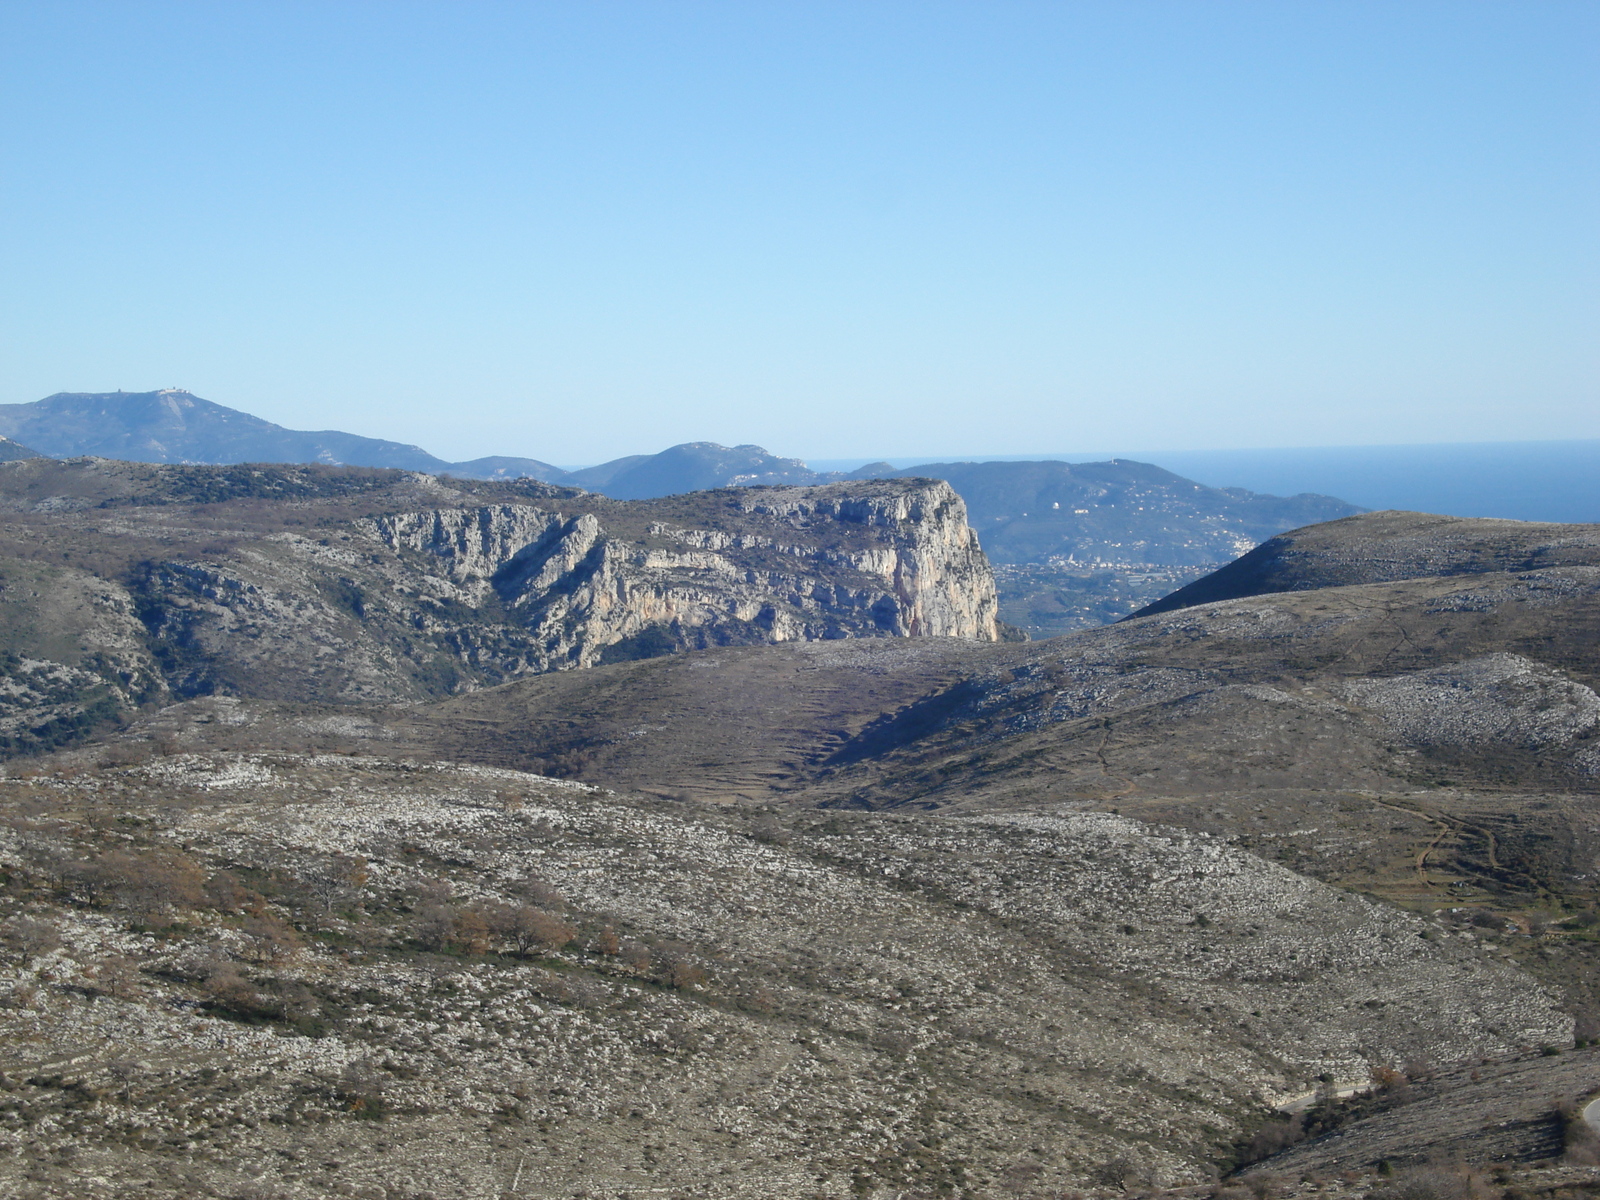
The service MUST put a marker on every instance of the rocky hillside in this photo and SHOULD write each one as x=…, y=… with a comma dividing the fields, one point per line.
x=306, y=976
x=126, y=584
x=868, y=915
x=1387, y=546
x=1434, y=740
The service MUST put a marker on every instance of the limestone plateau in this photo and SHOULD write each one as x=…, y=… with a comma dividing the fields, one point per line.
x=366, y=833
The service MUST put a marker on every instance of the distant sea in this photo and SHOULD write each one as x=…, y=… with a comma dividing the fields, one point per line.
x=1526, y=481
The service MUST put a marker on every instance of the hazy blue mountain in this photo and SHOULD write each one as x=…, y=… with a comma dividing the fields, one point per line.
x=597, y=478
x=693, y=467
x=1118, y=511
x=498, y=466
x=175, y=426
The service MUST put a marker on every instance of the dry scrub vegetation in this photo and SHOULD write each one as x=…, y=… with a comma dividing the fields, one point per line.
x=259, y=975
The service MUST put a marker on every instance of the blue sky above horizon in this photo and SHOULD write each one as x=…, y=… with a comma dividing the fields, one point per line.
x=580, y=230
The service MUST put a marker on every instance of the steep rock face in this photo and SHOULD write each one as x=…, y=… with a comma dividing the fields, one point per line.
x=907, y=566
x=122, y=584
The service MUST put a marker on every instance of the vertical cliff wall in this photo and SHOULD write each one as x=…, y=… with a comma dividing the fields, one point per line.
x=876, y=559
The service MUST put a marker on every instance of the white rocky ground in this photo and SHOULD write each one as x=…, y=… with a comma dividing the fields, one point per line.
x=750, y=1005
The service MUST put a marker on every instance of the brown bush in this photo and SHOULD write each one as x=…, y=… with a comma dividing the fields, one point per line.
x=28, y=938
x=446, y=928
x=1435, y=1182
x=149, y=884
x=117, y=975
x=226, y=893
x=231, y=990
x=529, y=928
x=469, y=932
x=270, y=939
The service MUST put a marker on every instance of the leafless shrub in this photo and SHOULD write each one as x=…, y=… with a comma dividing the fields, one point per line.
x=226, y=893
x=229, y=989
x=361, y=1088
x=431, y=925
x=541, y=895
x=338, y=880
x=124, y=754
x=678, y=967
x=1435, y=1181
x=269, y=938
x=117, y=975
x=124, y=1071
x=634, y=955
x=446, y=928
x=291, y=1000
x=28, y=938
x=149, y=884
x=1419, y=1069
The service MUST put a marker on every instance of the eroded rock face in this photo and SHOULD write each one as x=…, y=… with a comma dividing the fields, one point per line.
x=865, y=560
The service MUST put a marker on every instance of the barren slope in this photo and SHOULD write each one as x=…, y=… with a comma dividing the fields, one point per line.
x=259, y=951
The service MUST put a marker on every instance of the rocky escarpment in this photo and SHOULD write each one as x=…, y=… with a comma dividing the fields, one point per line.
x=893, y=561
x=326, y=584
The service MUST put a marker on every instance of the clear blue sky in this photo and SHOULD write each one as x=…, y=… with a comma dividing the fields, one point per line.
x=579, y=230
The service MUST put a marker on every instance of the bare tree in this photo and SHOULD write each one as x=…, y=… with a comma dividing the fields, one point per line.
x=28, y=938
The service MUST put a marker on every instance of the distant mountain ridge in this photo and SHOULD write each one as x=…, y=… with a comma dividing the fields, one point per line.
x=175, y=426
x=1077, y=543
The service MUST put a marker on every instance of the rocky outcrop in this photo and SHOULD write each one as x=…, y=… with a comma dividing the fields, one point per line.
x=877, y=559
